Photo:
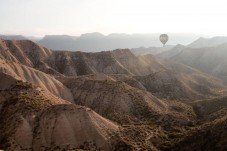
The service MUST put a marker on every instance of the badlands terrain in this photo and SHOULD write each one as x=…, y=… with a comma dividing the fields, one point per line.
x=167, y=99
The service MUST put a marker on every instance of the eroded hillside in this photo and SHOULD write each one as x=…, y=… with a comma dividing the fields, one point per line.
x=112, y=100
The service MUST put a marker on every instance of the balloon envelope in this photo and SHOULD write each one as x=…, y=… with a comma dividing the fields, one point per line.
x=163, y=38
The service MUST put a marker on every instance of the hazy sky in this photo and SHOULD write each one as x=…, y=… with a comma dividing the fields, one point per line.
x=73, y=17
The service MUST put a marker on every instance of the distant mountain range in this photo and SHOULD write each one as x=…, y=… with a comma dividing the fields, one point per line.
x=171, y=50
x=211, y=60
x=208, y=42
x=98, y=42
x=12, y=37
x=208, y=55
x=93, y=42
x=151, y=50
x=19, y=37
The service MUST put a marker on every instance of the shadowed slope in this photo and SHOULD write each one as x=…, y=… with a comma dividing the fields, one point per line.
x=124, y=104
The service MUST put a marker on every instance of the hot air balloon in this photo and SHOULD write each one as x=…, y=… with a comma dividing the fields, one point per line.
x=163, y=38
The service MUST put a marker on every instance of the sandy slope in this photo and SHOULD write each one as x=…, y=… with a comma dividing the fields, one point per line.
x=36, y=77
x=35, y=119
